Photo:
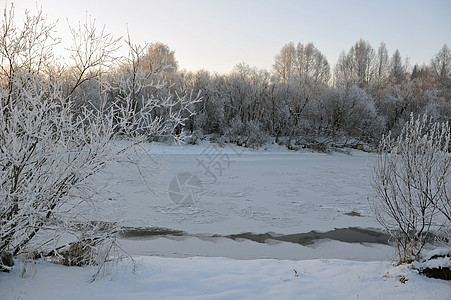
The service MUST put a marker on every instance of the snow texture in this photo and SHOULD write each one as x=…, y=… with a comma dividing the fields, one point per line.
x=222, y=278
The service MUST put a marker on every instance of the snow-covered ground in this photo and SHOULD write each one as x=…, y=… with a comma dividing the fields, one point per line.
x=223, y=278
x=270, y=191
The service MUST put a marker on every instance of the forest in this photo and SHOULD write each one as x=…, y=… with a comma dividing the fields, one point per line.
x=304, y=102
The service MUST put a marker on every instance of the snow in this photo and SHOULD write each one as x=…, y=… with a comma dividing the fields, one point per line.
x=269, y=190
x=272, y=190
x=261, y=191
x=223, y=278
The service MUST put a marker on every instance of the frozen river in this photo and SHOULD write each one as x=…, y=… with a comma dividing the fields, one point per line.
x=245, y=204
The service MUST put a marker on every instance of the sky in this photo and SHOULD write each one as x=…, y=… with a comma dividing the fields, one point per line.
x=216, y=35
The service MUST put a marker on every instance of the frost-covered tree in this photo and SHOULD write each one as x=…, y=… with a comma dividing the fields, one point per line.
x=350, y=113
x=441, y=65
x=441, y=69
x=356, y=66
x=51, y=147
x=247, y=92
x=411, y=180
x=398, y=68
x=344, y=72
x=285, y=62
x=301, y=62
x=194, y=83
x=158, y=57
x=363, y=56
x=310, y=73
x=311, y=63
x=381, y=67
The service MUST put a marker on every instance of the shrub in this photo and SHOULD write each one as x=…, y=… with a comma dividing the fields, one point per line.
x=411, y=180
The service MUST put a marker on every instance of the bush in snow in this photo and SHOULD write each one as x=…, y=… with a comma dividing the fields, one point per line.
x=249, y=134
x=255, y=135
x=411, y=181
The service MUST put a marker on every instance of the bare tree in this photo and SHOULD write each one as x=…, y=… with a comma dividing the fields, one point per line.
x=26, y=49
x=441, y=65
x=411, y=181
x=159, y=57
x=92, y=52
x=356, y=66
x=311, y=63
x=441, y=69
x=381, y=65
x=345, y=75
x=398, y=68
x=285, y=62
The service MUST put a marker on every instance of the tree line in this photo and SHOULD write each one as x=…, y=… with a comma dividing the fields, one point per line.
x=301, y=102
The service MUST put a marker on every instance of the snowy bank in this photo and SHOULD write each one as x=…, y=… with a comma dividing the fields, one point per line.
x=223, y=278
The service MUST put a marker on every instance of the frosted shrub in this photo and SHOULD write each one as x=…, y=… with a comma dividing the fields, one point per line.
x=249, y=134
x=411, y=180
x=255, y=135
x=350, y=113
x=235, y=130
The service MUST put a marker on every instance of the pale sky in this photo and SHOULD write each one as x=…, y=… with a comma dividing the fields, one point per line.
x=218, y=34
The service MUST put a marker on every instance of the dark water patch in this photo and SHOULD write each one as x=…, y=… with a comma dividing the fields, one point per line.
x=348, y=235
x=149, y=232
x=259, y=238
x=353, y=214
